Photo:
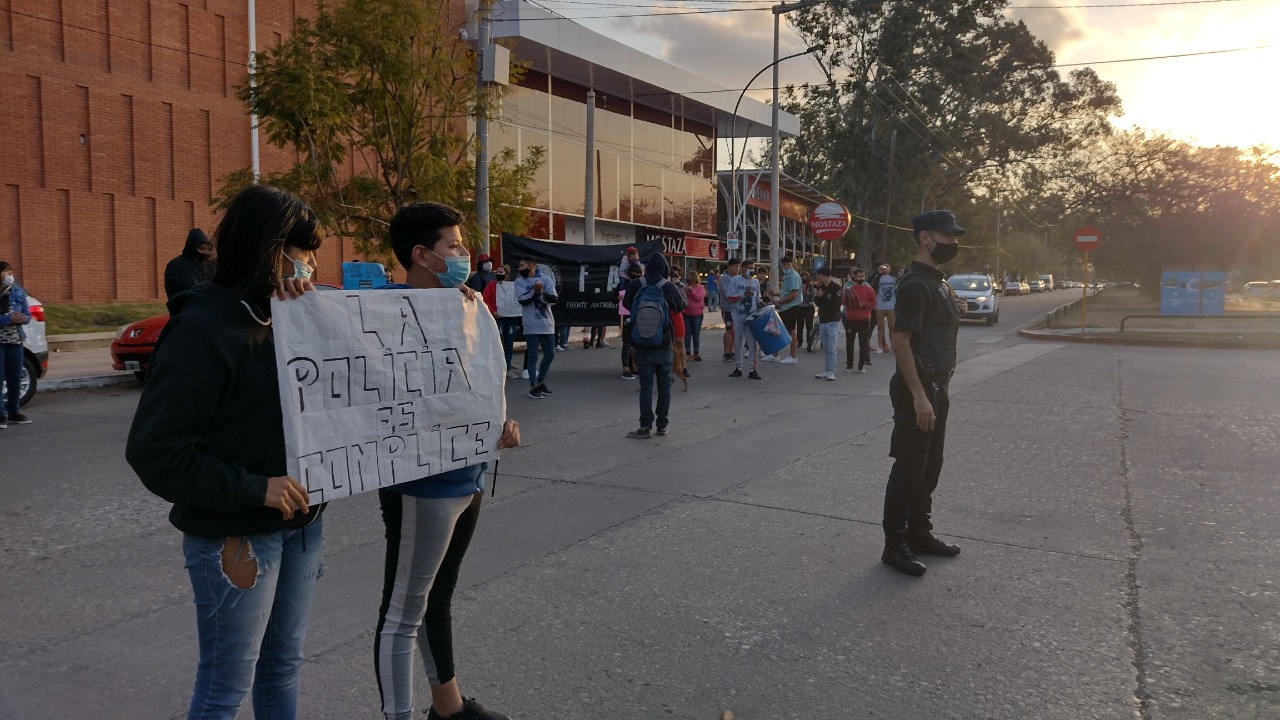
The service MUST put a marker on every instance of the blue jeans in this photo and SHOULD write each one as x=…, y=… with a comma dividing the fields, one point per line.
x=829, y=332
x=507, y=327
x=692, y=334
x=11, y=355
x=651, y=362
x=252, y=638
x=547, y=345
x=562, y=335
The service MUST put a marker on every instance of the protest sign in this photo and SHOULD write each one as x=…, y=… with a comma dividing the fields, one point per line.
x=384, y=386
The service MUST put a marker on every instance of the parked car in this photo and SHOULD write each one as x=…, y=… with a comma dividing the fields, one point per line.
x=1038, y=285
x=978, y=293
x=1255, y=290
x=135, y=343
x=1012, y=287
x=35, y=354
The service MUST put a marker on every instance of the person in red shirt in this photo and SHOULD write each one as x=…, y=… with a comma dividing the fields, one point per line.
x=859, y=300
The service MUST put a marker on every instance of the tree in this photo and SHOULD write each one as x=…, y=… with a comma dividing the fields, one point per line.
x=374, y=97
x=970, y=95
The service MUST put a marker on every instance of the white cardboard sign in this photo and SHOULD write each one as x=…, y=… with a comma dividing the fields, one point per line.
x=379, y=387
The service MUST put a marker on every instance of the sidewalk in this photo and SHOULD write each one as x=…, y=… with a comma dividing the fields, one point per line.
x=73, y=369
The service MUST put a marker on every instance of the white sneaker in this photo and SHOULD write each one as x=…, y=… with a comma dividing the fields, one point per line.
x=862, y=370
x=524, y=374
x=829, y=376
x=770, y=358
x=819, y=376
x=789, y=361
x=513, y=375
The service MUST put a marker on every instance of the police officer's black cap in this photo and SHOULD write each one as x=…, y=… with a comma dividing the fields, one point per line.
x=943, y=221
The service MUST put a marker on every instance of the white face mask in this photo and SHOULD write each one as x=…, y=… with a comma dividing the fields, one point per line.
x=486, y=266
x=8, y=280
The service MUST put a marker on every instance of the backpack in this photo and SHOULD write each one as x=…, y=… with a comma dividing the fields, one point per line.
x=650, y=317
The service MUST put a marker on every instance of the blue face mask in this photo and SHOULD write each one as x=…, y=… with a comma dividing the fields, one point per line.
x=458, y=269
x=302, y=270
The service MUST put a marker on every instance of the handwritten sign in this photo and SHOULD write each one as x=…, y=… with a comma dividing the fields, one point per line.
x=379, y=387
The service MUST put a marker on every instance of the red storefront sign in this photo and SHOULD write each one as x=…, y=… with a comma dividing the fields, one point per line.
x=709, y=248
x=759, y=195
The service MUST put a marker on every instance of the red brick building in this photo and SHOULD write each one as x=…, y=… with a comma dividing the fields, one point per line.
x=118, y=119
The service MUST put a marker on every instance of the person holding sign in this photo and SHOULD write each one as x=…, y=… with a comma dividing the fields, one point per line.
x=208, y=436
x=537, y=293
x=430, y=521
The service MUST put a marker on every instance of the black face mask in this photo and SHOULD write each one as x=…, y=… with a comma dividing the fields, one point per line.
x=524, y=272
x=943, y=253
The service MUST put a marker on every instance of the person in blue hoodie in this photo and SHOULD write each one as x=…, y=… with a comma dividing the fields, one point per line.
x=654, y=363
x=537, y=293
x=15, y=312
x=429, y=522
x=208, y=436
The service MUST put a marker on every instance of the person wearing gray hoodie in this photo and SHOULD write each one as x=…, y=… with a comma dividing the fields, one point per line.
x=537, y=293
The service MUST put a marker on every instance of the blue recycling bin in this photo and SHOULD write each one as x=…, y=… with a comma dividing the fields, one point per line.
x=768, y=330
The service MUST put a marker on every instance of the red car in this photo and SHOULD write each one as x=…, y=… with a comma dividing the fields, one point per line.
x=134, y=344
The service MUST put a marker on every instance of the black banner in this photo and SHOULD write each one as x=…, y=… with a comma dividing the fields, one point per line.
x=586, y=276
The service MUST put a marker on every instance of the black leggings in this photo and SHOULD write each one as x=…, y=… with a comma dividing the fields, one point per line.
x=861, y=331
x=426, y=541
x=804, y=324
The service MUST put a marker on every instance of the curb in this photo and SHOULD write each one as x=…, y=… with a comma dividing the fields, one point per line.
x=80, y=383
x=80, y=341
x=1025, y=331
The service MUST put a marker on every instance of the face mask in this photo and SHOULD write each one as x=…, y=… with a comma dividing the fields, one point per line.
x=8, y=280
x=457, y=268
x=524, y=272
x=943, y=253
x=486, y=266
x=501, y=277
x=301, y=270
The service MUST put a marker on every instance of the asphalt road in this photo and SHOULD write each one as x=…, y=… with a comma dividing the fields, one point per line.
x=1117, y=508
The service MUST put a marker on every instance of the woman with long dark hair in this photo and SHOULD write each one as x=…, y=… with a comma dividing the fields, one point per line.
x=208, y=436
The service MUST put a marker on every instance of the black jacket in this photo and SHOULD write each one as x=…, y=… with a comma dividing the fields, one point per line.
x=183, y=272
x=655, y=271
x=829, y=303
x=208, y=431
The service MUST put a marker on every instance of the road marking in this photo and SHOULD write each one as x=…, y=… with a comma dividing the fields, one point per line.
x=988, y=339
x=981, y=369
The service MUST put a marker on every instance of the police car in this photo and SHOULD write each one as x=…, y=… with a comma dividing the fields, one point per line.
x=979, y=293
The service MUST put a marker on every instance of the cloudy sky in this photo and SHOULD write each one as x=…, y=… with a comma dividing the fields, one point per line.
x=1225, y=99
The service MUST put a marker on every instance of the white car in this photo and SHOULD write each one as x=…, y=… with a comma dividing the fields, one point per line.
x=35, y=353
x=979, y=293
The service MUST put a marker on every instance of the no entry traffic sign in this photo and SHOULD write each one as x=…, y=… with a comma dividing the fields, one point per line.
x=1087, y=238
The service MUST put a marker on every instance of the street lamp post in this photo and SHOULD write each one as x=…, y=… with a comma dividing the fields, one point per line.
x=733, y=156
x=775, y=196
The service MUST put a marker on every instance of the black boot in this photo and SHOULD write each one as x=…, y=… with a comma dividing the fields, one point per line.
x=899, y=557
x=926, y=544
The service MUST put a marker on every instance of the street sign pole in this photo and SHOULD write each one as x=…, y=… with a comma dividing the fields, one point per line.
x=1086, y=239
x=1084, y=294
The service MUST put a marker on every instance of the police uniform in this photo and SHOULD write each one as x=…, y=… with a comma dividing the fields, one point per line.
x=926, y=308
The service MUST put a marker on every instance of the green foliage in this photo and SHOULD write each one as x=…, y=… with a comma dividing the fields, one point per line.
x=965, y=100
x=71, y=319
x=374, y=96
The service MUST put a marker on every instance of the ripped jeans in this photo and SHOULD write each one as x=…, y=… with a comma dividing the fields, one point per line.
x=251, y=629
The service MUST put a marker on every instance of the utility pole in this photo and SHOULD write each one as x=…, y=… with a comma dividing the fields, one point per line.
x=482, y=128
x=888, y=195
x=589, y=207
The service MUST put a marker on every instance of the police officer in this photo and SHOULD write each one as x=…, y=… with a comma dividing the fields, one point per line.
x=928, y=318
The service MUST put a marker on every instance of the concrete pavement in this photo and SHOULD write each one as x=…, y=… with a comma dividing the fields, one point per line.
x=1116, y=507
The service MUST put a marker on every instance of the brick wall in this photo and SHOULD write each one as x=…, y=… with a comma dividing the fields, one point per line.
x=117, y=119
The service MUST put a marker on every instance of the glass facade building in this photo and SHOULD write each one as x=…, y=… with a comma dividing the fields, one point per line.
x=653, y=167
